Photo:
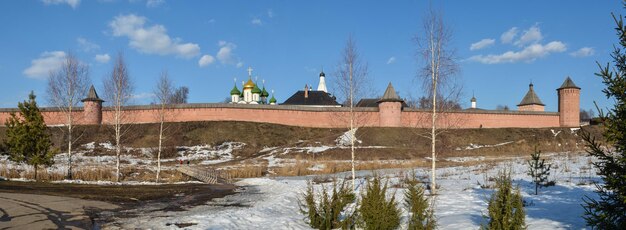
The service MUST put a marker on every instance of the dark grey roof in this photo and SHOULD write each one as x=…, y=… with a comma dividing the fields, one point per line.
x=531, y=97
x=373, y=102
x=390, y=95
x=568, y=83
x=314, y=98
x=367, y=102
x=92, y=95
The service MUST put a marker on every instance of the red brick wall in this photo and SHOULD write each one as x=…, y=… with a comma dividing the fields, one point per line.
x=320, y=117
x=390, y=114
x=538, y=108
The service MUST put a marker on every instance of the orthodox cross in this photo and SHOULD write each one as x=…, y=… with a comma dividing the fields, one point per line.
x=249, y=71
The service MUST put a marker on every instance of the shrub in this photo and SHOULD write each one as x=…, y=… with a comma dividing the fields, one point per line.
x=376, y=211
x=330, y=212
x=421, y=215
x=506, y=208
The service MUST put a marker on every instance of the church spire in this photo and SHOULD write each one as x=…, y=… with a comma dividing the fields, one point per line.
x=322, y=85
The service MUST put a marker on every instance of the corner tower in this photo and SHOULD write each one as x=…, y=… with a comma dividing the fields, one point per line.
x=569, y=104
x=390, y=108
x=92, y=108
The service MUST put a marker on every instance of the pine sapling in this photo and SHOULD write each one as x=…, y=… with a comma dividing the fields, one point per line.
x=538, y=170
x=506, y=207
x=421, y=214
x=376, y=211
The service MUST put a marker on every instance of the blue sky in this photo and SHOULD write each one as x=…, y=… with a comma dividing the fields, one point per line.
x=501, y=45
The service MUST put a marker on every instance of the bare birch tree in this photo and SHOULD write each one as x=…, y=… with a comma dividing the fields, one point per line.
x=163, y=96
x=351, y=82
x=66, y=88
x=438, y=74
x=118, y=89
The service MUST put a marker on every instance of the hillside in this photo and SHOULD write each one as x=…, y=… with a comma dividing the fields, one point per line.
x=254, y=149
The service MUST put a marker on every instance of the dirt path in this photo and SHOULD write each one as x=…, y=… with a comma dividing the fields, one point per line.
x=32, y=205
x=31, y=211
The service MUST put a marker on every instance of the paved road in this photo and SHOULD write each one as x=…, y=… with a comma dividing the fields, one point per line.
x=30, y=211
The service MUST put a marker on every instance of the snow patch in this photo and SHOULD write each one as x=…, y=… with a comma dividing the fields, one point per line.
x=477, y=146
x=555, y=133
x=346, y=138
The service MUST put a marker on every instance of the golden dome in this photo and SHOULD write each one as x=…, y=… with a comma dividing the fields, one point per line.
x=249, y=84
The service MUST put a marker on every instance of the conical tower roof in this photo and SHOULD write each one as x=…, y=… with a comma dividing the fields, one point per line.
x=92, y=95
x=531, y=97
x=568, y=83
x=390, y=95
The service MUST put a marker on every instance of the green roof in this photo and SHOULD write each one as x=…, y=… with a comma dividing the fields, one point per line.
x=256, y=89
x=272, y=100
x=531, y=97
x=264, y=92
x=235, y=91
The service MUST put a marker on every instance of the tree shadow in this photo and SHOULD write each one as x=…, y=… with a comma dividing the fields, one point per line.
x=560, y=203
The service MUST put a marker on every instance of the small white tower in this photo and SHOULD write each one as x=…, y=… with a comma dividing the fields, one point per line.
x=322, y=85
x=473, y=100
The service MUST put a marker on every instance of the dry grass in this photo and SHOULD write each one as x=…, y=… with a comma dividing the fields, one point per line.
x=246, y=171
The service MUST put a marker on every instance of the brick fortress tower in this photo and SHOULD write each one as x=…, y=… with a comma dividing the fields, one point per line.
x=390, y=108
x=92, y=108
x=569, y=104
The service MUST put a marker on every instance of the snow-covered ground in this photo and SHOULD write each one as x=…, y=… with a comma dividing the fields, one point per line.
x=272, y=203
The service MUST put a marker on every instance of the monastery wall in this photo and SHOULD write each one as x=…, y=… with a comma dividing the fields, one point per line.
x=321, y=117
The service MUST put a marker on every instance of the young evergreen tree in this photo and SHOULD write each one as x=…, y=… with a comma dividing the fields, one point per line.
x=27, y=140
x=609, y=210
x=506, y=208
x=538, y=170
x=421, y=216
x=330, y=212
x=376, y=211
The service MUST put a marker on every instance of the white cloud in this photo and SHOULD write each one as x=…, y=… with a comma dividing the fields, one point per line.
x=270, y=13
x=508, y=36
x=239, y=64
x=528, y=54
x=71, y=3
x=225, y=55
x=583, y=52
x=256, y=21
x=154, y=3
x=151, y=40
x=482, y=44
x=86, y=46
x=206, y=60
x=391, y=60
x=102, y=58
x=47, y=62
x=530, y=36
